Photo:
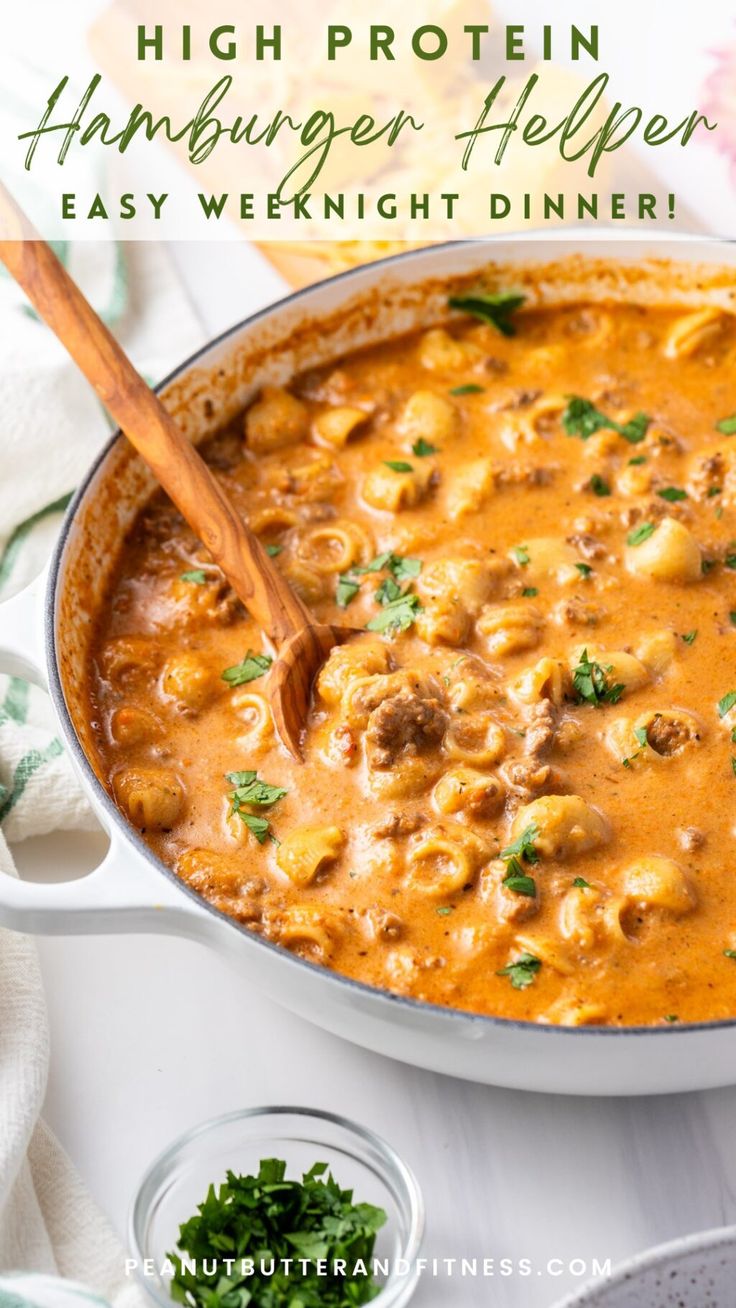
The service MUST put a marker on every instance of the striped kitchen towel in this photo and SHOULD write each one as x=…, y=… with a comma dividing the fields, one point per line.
x=51, y=1233
x=38, y=790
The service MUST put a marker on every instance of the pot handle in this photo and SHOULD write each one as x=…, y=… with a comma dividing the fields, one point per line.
x=123, y=894
x=21, y=633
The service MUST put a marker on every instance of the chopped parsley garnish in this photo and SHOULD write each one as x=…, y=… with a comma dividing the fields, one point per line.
x=259, y=827
x=671, y=1017
x=640, y=458
x=252, y=667
x=672, y=494
x=423, y=448
x=529, y=592
x=730, y=953
x=733, y=766
x=273, y=550
x=641, y=735
x=398, y=465
x=732, y=617
x=468, y=388
x=197, y=576
x=707, y=566
x=690, y=636
x=444, y=910
x=581, y=418
x=388, y=591
x=590, y=683
x=521, y=554
x=581, y=884
x=495, y=307
x=727, y=426
x=346, y=591
x=521, y=850
x=730, y=559
x=635, y=429
x=714, y=490
x=397, y=615
x=306, y=1229
x=396, y=564
x=641, y=533
x=404, y=568
x=523, y=846
x=599, y=486
x=251, y=791
x=518, y=881
x=522, y=971
x=726, y=704
x=584, y=569
x=401, y=569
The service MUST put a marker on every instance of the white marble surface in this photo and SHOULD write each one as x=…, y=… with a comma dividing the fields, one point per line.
x=152, y=1035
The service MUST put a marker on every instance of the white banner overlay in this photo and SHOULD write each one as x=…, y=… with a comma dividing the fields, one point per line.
x=346, y=121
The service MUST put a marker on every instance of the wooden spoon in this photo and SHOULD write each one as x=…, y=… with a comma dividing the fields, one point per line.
x=302, y=643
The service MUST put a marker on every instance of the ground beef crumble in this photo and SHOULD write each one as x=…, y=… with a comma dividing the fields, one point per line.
x=404, y=723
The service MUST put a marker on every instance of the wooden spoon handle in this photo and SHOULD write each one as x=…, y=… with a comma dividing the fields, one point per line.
x=171, y=457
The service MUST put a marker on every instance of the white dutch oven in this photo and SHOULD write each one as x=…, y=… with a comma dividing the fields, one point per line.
x=43, y=637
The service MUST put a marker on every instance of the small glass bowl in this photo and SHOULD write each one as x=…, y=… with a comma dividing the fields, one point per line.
x=179, y=1178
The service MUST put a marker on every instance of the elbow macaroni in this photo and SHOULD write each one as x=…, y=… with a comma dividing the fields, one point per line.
x=307, y=851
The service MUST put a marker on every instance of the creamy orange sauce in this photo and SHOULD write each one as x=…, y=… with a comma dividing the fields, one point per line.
x=568, y=639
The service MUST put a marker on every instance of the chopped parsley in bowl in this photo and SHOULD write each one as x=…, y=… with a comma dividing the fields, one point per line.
x=272, y=1205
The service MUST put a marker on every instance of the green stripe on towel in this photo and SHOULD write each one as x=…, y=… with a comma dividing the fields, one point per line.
x=118, y=302
x=15, y=704
x=27, y=768
x=10, y=554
